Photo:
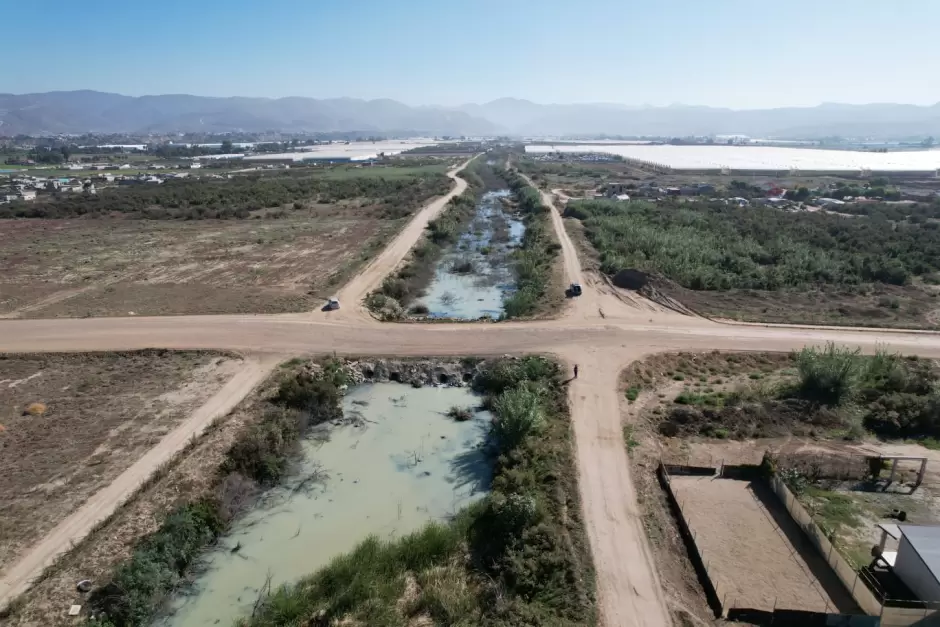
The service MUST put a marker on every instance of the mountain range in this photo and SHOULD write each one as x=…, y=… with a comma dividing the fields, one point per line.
x=73, y=112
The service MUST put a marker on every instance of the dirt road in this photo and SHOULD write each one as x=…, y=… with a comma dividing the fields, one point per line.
x=628, y=588
x=358, y=288
x=18, y=578
x=599, y=331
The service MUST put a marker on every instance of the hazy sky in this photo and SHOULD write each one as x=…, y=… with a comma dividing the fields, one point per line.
x=735, y=53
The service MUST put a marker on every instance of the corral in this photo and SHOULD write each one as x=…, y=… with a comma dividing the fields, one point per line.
x=754, y=554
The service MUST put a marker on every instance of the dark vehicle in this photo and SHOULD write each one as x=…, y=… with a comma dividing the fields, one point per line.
x=573, y=290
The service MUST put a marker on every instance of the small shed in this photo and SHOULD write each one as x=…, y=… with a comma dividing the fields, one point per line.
x=917, y=563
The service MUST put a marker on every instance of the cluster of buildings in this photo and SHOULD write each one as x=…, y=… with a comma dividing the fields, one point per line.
x=27, y=188
x=624, y=191
x=23, y=187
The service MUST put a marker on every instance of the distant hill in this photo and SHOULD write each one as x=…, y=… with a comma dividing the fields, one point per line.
x=91, y=111
x=874, y=120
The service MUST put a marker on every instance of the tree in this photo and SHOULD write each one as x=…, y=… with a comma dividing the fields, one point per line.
x=928, y=143
x=227, y=147
x=66, y=152
x=798, y=195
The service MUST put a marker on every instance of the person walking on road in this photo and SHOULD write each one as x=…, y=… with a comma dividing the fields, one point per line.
x=576, y=371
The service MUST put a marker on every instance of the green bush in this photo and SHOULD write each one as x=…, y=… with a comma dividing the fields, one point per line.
x=263, y=451
x=532, y=262
x=157, y=565
x=517, y=413
x=302, y=400
x=503, y=374
x=830, y=376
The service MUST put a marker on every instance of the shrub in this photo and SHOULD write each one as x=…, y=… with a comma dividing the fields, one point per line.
x=35, y=409
x=419, y=310
x=263, y=451
x=705, y=245
x=157, y=565
x=518, y=413
x=502, y=374
x=795, y=480
x=317, y=396
x=460, y=414
x=395, y=288
x=830, y=376
x=632, y=394
x=462, y=266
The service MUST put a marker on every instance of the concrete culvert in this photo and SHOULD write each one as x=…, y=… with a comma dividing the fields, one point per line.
x=467, y=377
x=630, y=279
x=368, y=373
x=443, y=378
x=395, y=376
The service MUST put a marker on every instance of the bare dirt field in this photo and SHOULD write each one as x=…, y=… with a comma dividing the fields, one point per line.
x=912, y=306
x=754, y=552
x=190, y=476
x=115, y=266
x=71, y=423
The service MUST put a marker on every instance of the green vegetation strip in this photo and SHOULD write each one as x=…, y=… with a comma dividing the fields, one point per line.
x=396, y=195
x=519, y=557
x=706, y=245
x=538, y=251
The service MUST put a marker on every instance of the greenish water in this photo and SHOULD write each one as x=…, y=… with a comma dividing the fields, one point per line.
x=401, y=464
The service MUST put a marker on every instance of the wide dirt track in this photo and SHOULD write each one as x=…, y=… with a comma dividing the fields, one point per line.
x=602, y=332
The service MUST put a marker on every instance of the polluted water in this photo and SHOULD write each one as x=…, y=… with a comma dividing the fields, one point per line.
x=396, y=462
x=473, y=278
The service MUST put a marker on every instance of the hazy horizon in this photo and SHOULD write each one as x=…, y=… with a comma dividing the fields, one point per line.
x=728, y=54
x=689, y=105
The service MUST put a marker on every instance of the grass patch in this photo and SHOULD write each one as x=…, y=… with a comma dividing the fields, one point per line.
x=629, y=437
x=931, y=443
x=705, y=399
x=632, y=393
x=832, y=510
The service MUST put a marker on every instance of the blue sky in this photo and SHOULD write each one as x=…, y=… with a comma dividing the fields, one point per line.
x=735, y=53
